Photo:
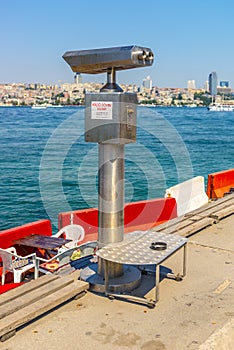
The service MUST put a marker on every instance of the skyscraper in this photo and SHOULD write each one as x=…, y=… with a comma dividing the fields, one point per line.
x=147, y=83
x=77, y=78
x=213, y=82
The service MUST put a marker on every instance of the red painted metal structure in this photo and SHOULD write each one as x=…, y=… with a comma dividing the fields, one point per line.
x=141, y=215
x=42, y=227
x=9, y=286
x=220, y=183
x=138, y=216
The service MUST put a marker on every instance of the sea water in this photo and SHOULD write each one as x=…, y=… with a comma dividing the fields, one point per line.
x=47, y=168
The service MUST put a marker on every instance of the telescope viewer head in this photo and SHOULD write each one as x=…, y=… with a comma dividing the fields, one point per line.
x=114, y=58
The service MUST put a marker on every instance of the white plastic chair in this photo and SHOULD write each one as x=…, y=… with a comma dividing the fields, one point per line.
x=17, y=264
x=74, y=232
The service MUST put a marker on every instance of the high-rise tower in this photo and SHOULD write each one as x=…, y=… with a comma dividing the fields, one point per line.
x=213, y=82
x=147, y=83
x=77, y=78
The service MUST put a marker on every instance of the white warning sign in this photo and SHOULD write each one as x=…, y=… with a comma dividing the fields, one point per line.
x=101, y=110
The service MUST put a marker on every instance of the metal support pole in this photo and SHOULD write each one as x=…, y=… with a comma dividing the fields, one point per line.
x=106, y=276
x=111, y=76
x=185, y=260
x=157, y=279
x=111, y=84
x=111, y=200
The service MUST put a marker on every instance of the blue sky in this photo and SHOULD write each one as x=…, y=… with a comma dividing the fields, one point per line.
x=189, y=38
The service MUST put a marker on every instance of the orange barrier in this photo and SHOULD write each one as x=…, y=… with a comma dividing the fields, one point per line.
x=141, y=215
x=42, y=227
x=220, y=183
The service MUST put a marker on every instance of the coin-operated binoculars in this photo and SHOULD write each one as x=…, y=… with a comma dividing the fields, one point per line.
x=110, y=120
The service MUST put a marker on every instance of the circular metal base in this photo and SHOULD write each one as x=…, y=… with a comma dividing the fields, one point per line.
x=130, y=280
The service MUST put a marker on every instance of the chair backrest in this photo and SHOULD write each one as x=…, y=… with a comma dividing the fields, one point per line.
x=74, y=232
x=7, y=256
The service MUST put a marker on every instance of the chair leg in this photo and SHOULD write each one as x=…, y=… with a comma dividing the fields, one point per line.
x=35, y=272
x=17, y=276
x=3, y=277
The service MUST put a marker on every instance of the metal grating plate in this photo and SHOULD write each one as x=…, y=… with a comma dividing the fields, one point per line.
x=135, y=248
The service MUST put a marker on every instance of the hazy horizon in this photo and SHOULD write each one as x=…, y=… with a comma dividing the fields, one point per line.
x=189, y=40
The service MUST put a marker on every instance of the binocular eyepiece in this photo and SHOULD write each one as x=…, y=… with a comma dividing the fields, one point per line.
x=103, y=60
x=146, y=55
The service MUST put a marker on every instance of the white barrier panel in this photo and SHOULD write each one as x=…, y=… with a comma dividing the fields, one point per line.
x=189, y=195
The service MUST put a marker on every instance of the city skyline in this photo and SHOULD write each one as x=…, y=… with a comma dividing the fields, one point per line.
x=36, y=35
x=146, y=82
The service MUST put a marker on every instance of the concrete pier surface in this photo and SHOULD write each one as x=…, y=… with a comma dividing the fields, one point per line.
x=196, y=313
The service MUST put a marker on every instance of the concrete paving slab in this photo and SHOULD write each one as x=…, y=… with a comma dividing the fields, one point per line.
x=219, y=235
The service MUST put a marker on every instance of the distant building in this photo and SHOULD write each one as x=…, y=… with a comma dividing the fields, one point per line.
x=223, y=90
x=224, y=84
x=213, y=83
x=147, y=83
x=206, y=86
x=191, y=84
x=77, y=78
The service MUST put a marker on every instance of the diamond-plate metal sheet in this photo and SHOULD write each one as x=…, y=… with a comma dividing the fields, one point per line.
x=135, y=248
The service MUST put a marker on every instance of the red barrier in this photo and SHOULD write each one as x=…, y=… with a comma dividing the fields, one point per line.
x=42, y=227
x=220, y=183
x=87, y=218
x=9, y=286
x=147, y=214
x=141, y=215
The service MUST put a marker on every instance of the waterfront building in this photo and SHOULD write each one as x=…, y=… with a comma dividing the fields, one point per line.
x=223, y=90
x=224, y=84
x=191, y=84
x=213, y=83
x=206, y=86
x=64, y=93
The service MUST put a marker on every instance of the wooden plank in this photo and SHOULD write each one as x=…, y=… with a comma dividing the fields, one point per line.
x=195, y=218
x=30, y=312
x=190, y=228
x=177, y=227
x=189, y=222
x=37, y=294
x=168, y=224
x=197, y=226
x=182, y=221
x=223, y=213
x=197, y=214
x=218, y=208
x=26, y=288
x=225, y=201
